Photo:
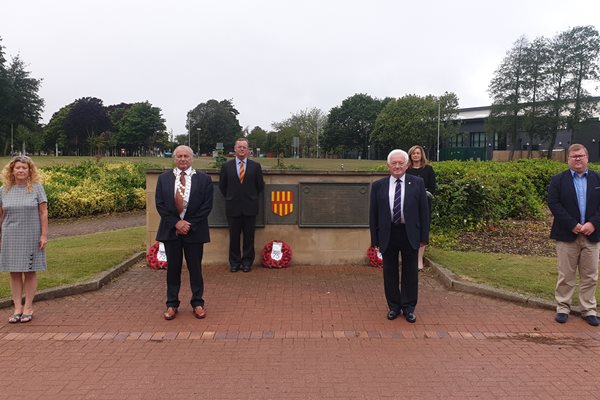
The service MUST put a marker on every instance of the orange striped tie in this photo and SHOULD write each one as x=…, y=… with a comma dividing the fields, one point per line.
x=179, y=194
x=242, y=172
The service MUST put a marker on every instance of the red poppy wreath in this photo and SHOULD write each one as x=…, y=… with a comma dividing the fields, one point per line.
x=156, y=258
x=276, y=254
x=375, y=258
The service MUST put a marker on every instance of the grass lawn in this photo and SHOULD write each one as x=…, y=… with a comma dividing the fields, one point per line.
x=319, y=164
x=79, y=258
x=522, y=274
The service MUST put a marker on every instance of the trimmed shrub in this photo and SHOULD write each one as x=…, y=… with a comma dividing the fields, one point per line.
x=472, y=194
x=94, y=188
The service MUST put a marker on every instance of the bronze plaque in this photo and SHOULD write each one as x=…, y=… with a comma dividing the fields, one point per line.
x=329, y=205
x=217, y=217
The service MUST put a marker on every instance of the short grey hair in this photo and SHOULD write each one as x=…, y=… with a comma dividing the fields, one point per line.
x=396, y=152
x=184, y=148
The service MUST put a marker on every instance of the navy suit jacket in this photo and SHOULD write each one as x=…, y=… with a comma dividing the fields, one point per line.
x=241, y=198
x=198, y=208
x=562, y=201
x=416, y=212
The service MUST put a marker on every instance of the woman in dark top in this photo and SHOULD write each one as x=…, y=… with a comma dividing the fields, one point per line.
x=419, y=166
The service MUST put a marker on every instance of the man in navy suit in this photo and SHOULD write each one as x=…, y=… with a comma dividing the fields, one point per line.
x=241, y=182
x=574, y=199
x=184, y=199
x=399, y=223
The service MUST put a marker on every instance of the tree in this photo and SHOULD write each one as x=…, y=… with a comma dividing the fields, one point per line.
x=412, y=120
x=55, y=135
x=211, y=123
x=349, y=126
x=142, y=129
x=539, y=86
x=508, y=92
x=258, y=139
x=87, y=117
x=537, y=55
x=583, y=66
x=557, y=90
x=309, y=124
x=20, y=103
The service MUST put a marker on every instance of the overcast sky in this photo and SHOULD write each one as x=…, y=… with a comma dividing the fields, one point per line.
x=272, y=58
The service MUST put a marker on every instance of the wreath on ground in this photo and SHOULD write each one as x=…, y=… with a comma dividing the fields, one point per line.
x=276, y=254
x=375, y=258
x=156, y=258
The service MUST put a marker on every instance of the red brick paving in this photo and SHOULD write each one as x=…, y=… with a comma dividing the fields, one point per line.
x=305, y=332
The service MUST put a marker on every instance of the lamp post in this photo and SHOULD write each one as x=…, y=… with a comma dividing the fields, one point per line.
x=198, y=144
x=438, y=132
x=189, y=131
x=368, y=152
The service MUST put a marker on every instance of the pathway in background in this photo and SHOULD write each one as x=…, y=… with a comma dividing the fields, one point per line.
x=98, y=223
x=306, y=332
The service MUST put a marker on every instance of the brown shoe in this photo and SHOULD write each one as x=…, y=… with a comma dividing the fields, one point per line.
x=170, y=313
x=199, y=312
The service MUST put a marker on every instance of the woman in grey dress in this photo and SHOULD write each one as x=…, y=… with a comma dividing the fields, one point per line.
x=24, y=219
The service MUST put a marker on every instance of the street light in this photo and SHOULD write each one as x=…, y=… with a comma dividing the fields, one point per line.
x=198, y=148
x=189, y=131
x=438, y=132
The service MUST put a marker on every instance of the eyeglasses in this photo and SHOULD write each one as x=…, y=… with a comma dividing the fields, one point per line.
x=577, y=156
x=23, y=159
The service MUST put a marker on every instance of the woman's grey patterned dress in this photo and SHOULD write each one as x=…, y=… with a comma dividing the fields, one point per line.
x=21, y=229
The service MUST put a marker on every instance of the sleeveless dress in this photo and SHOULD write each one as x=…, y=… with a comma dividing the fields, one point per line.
x=21, y=229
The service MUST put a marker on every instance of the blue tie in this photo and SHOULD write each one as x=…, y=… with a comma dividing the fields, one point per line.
x=397, y=217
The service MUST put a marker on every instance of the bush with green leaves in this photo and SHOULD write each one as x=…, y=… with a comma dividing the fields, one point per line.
x=95, y=188
x=472, y=194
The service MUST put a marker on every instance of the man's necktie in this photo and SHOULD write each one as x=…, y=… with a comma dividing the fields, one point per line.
x=242, y=172
x=180, y=192
x=397, y=218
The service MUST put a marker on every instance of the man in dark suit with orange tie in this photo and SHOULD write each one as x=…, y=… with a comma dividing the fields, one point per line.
x=241, y=182
x=184, y=199
x=399, y=224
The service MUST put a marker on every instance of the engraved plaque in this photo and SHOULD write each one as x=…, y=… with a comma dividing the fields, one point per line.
x=334, y=205
x=281, y=204
x=217, y=217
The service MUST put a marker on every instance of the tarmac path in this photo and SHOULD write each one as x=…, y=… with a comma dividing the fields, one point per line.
x=305, y=332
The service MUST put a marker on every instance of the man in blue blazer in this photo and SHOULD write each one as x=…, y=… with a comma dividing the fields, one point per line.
x=184, y=199
x=399, y=224
x=574, y=200
x=241, y=182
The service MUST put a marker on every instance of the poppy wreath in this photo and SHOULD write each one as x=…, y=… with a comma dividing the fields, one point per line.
x=152, y=257
x=267, y=255
x=375, y=257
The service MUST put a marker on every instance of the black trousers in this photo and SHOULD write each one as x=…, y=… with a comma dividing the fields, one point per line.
x=401, y=292
x=193, y=258
x=246, y=225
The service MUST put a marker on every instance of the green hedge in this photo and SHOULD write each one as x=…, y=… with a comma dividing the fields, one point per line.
x=472, y=194
x=95, y=188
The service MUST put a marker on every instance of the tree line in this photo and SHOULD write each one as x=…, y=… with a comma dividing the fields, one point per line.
x=540, y=86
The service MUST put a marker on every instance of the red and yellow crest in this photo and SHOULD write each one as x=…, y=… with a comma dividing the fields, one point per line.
x=282, y=202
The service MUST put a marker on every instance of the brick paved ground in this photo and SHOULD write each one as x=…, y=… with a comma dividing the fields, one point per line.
x=306, y=332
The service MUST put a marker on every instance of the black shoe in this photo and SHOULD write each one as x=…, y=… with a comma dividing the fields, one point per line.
x=411, y=317
x=561, y=318
x=234, y=269
x=592, y=320
x=392, y=314
x=246, y=268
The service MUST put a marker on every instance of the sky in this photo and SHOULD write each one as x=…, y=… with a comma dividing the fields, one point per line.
x=272, y=58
